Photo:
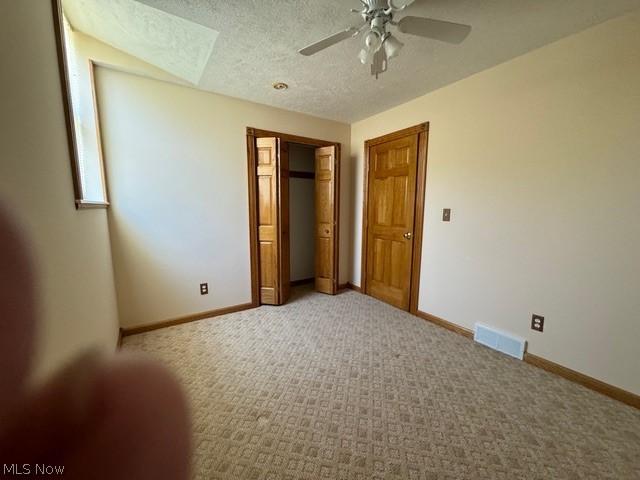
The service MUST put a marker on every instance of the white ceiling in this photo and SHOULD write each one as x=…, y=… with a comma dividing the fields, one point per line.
x=258, y=42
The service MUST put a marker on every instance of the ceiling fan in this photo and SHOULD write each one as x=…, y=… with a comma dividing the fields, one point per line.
x=379, y=44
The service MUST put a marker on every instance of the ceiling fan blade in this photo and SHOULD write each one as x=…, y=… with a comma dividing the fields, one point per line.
x=327, y=42
x=436, y=29
x=397, y=8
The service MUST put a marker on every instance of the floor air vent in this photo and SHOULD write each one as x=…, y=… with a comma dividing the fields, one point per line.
x=499, y=340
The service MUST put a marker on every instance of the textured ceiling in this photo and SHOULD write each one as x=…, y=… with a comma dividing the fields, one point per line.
x=176, y=45
x=258, y=45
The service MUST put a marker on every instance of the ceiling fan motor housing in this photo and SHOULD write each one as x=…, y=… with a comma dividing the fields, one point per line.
x=378, y=13
x=377, y=18
x=377, y=4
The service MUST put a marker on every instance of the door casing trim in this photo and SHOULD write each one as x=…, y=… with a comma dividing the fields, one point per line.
x=252, y=134
x=422, y=130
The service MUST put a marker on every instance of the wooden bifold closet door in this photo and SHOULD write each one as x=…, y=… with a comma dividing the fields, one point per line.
x=326, y=220
x=272, y=163
x=272, y=218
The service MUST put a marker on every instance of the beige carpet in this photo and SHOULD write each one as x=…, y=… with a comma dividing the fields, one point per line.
x=347, y=387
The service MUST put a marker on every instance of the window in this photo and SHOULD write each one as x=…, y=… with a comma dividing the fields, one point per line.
x=83, y=128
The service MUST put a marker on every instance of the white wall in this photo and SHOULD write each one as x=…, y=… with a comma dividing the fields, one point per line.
x=177, y=174
x=302, y=213
x=71, y=248
x=538, y=160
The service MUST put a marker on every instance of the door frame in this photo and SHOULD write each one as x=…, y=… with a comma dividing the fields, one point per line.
x=422, y=130
x=252, y=134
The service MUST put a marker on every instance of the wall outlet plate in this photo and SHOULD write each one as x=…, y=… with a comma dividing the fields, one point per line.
x=537, y=323
x=204, y=289
x=446, y=215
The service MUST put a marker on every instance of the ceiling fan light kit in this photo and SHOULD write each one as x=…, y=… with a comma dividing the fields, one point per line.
x=379, y=44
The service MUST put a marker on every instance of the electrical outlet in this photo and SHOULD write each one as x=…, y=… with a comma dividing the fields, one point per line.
x=446, y=215
x=204, y=289
x=537, y=323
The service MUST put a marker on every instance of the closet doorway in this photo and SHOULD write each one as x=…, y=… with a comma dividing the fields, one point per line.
x=294, y=209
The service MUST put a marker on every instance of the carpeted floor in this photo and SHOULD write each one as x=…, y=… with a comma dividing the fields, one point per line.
x=347, y=387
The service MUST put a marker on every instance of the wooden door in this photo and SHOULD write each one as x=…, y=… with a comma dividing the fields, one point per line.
x=273, y=227
x=390, y=221
x=326, y=236
x=284, y=272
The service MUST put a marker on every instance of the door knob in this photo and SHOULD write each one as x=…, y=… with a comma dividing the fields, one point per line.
x=408, y=235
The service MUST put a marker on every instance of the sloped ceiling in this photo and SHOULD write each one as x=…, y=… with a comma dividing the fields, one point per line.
x=258, y=44
x=169, y=42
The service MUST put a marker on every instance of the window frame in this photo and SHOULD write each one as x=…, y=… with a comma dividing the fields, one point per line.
x=80, y=201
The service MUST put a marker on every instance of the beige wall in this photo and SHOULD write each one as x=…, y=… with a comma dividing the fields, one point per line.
x=538, y=160
x=89, y=48
x=71, y=248
x=82, y=50
x=177, y=176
